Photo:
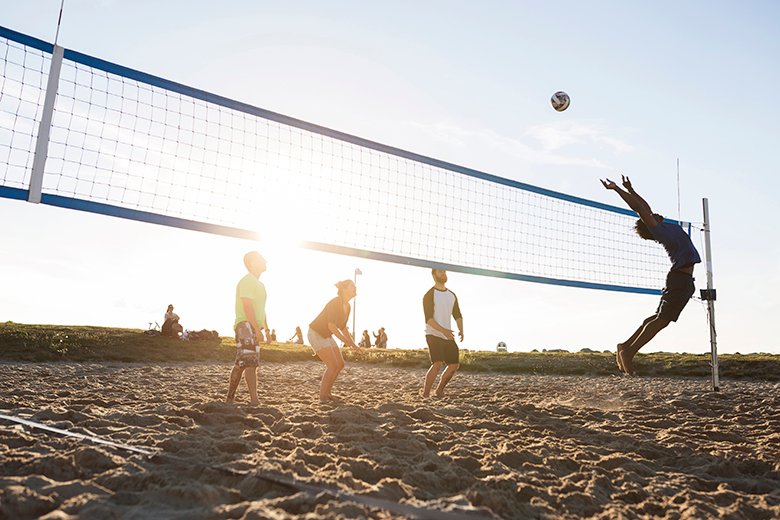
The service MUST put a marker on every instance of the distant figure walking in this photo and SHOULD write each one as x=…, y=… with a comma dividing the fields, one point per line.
x=273, y=335
x=365, y=341
x=297, y=337
x=332, y=321
x=679, y=282
x=439, y=303
x=381, y=338
x=249, y=324
x=171, y=326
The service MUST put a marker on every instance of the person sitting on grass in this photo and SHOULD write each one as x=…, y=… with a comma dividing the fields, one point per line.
x=297, y=337
x=171, y=327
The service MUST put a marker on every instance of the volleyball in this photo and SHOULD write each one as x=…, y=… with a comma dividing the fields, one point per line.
x=560, y=101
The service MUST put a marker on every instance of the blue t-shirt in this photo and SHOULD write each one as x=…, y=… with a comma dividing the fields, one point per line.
x=677, y=243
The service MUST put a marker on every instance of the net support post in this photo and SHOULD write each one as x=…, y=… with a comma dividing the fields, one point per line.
x=710, y=296
x=44, y=129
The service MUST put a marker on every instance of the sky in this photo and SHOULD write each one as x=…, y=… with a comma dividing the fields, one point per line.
x=464, y=82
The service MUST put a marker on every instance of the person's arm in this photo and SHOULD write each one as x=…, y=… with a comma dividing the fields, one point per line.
x=343, y=335
x=458, y=317
x=249, y=312
x=634, y=201
x=447, y=332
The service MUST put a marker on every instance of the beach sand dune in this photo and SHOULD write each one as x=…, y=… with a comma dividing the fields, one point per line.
x=498, y=446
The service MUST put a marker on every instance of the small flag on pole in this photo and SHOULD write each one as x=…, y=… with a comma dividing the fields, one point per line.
x=358, y=271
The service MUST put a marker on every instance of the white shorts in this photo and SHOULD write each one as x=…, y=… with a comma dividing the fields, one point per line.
x=317, y=342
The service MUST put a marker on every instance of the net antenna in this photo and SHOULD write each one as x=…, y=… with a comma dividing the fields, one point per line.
x=679, y=212
x=59, y=21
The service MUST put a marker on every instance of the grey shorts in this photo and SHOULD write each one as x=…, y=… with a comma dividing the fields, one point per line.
x=247, y=348
x=317, y=342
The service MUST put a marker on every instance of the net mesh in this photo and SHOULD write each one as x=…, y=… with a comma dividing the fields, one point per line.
x=23, y=76
x=119, y=140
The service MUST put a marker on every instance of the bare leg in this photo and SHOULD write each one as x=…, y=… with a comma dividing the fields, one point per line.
x=653, y=327
x=333, y=364
x=235, y=378
x=340, y=366
x=621, y=347
x=430, y=377
x=638, y=331
x=445, y=378
x=251, y=382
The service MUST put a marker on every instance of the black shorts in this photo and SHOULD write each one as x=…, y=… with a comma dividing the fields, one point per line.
x=675, y=296
x=445, y=350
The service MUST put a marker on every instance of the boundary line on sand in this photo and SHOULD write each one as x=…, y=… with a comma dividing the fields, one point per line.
x=81, y=436
x=313, y=489
x=379, y=503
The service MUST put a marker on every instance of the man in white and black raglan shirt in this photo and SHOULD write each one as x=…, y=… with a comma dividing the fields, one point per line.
x=439, y=304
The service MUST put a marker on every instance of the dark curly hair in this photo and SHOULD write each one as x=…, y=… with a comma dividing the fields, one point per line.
x=642, y=229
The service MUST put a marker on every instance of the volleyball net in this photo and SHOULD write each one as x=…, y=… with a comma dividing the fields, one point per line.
x=125, y=143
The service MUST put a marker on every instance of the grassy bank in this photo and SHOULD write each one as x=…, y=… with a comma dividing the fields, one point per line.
x=49, y=343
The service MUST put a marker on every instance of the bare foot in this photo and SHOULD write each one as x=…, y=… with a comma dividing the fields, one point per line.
x=620, y=349
x=627, y=360
x=254, y=403
x=422, y=393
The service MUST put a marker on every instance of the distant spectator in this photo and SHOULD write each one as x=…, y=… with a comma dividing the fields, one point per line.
x=171, y=327
x=297, y=337
x=381, y=338
x=273, y=335
x=365, y=341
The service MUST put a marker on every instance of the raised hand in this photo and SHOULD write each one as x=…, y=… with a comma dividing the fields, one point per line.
x=627, y=183
x=609, y=184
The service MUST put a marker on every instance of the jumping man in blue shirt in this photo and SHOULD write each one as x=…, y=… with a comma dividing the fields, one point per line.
x=679, y=282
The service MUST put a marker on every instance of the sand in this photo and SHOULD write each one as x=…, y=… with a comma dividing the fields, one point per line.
x=498, y=446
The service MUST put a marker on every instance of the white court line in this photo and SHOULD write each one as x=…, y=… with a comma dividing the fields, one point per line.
x=398, y=508
x=81, y=436
x=394, y=507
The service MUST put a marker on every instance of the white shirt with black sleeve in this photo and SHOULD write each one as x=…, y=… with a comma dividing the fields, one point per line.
x=440, y=305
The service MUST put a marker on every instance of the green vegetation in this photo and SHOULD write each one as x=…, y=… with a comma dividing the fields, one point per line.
x=45, y=343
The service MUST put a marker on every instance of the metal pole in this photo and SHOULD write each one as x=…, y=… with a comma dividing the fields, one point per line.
x=710, y=296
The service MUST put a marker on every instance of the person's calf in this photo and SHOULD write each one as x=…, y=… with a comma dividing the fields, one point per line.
x=235, y=379
x=626, y=361
x=620, y=348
